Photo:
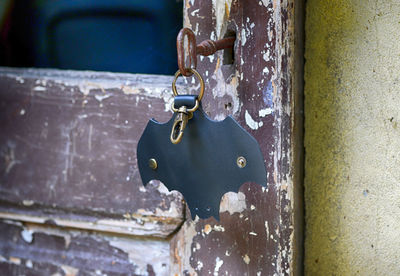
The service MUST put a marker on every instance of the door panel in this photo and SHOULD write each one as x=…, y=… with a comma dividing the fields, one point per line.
x=68, y=150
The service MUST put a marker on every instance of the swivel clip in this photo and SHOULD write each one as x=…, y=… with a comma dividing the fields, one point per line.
x=184, y=106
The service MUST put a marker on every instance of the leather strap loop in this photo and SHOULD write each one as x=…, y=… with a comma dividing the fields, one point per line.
x=185, y=100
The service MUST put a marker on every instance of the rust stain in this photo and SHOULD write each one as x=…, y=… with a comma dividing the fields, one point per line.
x=218, y=65
x=207, y=229
x=178, y=258
x=15, y=260
x=227, y=10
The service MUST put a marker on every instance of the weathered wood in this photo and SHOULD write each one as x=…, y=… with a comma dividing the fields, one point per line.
x=260, y=230
x=29, y=249
x=68, y=150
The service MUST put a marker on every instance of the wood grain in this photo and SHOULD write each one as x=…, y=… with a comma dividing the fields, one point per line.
x=68, y=150
x=31, y=249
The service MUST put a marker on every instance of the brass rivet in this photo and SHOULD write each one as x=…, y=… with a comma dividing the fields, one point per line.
x=241, y=162
x=153, y=164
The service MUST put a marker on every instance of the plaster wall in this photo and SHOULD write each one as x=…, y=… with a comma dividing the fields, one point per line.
x=352, y=137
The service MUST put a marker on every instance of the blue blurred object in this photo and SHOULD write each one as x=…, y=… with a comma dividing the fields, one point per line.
x=109, y=35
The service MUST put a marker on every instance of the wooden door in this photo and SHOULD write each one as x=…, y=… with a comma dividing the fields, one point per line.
x=260, y=230
x=71, y=199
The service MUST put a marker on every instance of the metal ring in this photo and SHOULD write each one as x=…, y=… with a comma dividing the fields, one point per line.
x=197, y=74
x=191, y=47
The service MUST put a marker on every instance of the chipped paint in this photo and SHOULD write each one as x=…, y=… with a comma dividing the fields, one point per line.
x=218, y=264
x=39, y=88
x=27, y=235
x=251, y=123
x=246, y=259
x=148, y=225
x=265, y=2
x=15, y=260
x=199, y=265
x=69, y=270
x=89, y=253
x=173, y=211
x=233, y=203
x=226, y=89
x=100, y=98
x=243, y=38
x=219, y=228
x=264, y=112
x=221, y=11
x=125, y=82
x=28, y=202
x=137, y=253
x=181, y=249
x=29, y=263
x=266, y=229
x=19, y=79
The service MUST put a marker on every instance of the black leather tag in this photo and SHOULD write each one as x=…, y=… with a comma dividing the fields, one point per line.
x=203, y=166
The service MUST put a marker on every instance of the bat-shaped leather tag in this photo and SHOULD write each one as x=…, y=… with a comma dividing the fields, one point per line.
x=212, y=159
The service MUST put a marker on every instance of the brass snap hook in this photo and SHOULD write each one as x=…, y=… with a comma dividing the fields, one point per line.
x=183, y=113
x=179, y=125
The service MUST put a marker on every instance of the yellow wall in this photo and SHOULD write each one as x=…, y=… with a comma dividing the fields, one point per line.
x=352, y=137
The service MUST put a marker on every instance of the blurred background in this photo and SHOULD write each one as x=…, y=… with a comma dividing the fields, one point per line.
x=134, y=36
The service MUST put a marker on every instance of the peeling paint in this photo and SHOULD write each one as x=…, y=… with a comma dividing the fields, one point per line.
x=19, y=79
x=148, y=225
x=128, y=90
x=29, y=263
x=27, y=235
x=28, y=202
x=136, y=251
x=251, y=123
x=199, y=265
x=243, y=37
x=218, y=264
x=264, y=2
x=264, y=112
x=233, y=203
x=69, y=270
x=246, y=259
x=15, y=260
x=219, y=228
x=100, y=98
x=266, y=228
x=39, y=88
